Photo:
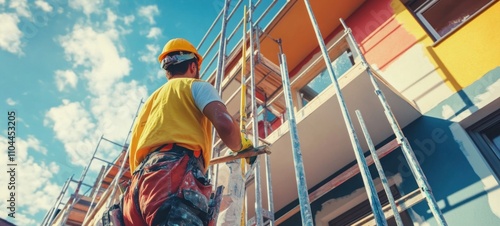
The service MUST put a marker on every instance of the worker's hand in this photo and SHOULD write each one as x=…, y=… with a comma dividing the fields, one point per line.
x=245, y=143
x=250, y=160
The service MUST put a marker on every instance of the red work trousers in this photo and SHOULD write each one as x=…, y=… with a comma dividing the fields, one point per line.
x=162, y=178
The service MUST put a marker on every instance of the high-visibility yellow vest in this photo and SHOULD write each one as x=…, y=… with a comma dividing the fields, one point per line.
x=170, y=115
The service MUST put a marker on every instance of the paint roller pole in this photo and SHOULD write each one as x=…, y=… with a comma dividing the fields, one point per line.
x=405, y=145
x=243, y=115
x=365, y=173
x=300, y=176
x=380, y=170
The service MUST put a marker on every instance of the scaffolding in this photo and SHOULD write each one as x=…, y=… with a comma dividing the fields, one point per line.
x=77, y=210
x=265, y=76
x=303, y=196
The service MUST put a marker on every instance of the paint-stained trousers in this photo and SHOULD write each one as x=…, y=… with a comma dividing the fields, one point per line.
x=168, y=188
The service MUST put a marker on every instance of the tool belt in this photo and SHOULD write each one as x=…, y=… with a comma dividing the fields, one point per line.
x=190, y=204
x=156, y=156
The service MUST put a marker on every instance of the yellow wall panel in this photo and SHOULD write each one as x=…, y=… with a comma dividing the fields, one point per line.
x=465, y=55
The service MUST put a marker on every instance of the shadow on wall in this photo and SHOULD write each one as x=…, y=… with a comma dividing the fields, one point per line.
x=456, y=187
x=450, y=79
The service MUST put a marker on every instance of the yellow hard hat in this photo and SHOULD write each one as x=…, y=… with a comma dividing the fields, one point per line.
x=179, y=44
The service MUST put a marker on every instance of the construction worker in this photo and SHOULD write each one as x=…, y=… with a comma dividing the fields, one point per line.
x=171, y=145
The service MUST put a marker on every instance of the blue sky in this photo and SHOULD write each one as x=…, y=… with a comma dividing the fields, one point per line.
x=73, y=72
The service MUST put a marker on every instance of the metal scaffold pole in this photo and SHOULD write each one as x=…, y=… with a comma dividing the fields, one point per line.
x=101, y=178
x=218, y=80
x=72, y=199
x=365, y=173
x=267, y=160
x=51, y=214
x=405, y=145
x=383, y=178
x=258, y=191
x=300, y=176
x=114, y=184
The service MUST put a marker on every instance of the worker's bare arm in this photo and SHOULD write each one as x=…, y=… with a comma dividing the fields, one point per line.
x=226, y=127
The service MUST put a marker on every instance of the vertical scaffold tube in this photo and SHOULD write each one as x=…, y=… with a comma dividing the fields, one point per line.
x=218, y=80
x=258, y=191
x=363, y=167
x=380, y=170
x=267, y=160
x=52, y=212
x=114, y=184
x=300, y=176
x=93, y=198
x=415, y=167
x=77, y=189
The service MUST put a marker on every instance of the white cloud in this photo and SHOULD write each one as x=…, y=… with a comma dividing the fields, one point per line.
x=35, y=144
x=23, y=219
x=2, y=2
x=149, y=12
x=10, y=102
x=116, y=110
x=96, y=51
x=43, y=5
x=87, y=6
x=150, y=55
x=111, y=18
x=21, y=7
x=64, y=78
x=10, y=35
x=160, y=74
x=34, y=190
x=73, y=125
x=128, y=19
x=154, y=32
x=113, y=102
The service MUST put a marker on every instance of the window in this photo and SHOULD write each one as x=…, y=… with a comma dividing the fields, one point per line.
x=486, y=135
x=264, y=121
x=340, y=65
x=441, y=17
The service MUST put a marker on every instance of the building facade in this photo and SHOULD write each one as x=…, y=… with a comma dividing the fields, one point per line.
x=442, y=58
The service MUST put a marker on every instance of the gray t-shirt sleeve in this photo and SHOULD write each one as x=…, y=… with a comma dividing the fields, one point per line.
x=203, y=94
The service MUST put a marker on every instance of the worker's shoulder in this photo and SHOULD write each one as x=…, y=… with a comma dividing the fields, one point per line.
x=177, y=81
x=202, y=82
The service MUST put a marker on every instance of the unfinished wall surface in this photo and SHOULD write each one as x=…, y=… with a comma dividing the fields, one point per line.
x=424, y=71
x=448, y=81
x=464, y=186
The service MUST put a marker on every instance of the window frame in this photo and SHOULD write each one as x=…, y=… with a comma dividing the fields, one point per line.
x=300, y=91
x=418, y=14
x=488, y=150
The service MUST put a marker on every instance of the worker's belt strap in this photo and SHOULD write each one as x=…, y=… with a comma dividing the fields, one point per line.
x=196, y=154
